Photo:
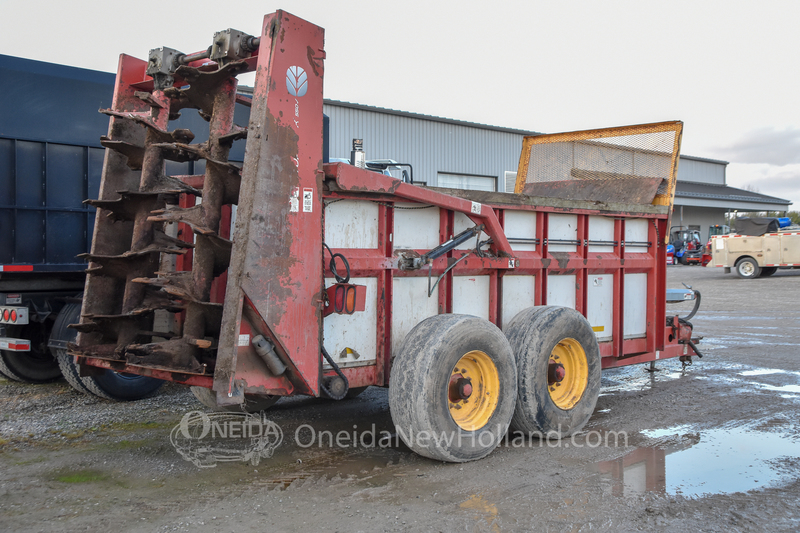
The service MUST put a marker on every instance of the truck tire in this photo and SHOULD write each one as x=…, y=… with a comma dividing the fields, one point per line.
x=767, y=271
x=70, y=371
x=747, y=268
x=35, y=366
x=108, y=384
x=70, y=314
x=558, y=371
x=122, y=387
x=454, y=381
x=252, y=403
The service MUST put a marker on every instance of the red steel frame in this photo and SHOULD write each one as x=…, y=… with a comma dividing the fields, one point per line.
x=352, y=184
x=274, y=285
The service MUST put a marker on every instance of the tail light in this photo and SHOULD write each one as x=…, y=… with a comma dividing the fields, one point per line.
x=14, y=315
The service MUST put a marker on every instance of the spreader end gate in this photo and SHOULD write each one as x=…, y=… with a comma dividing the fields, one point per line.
x=175, y=290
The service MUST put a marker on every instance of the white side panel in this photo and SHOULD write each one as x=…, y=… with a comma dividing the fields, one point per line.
x=410, y=306
x=636, y=231
x=562, y=228
x=561, y=290
x=601, y=229
x=356, y=332
x=351, y=224
x=521, y=225
x=460, y=223
x=415, y=229
x=471, y=295
x=518, y=294
x=600, y=304
x=635, y=306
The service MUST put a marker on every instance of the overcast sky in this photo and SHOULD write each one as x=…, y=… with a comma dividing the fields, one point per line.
x=727, y=68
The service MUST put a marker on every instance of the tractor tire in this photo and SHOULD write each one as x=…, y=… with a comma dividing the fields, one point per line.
x=558, y=371
x=35, y=366
x=747, y=268
x=252, y=403
x=452, y=388
x=767, y=271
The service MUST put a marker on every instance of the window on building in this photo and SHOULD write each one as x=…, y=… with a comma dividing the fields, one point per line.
x=466, y=181
x=510, y=179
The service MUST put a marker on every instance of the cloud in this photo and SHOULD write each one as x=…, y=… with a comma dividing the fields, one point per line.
x=778, y=181
x=764, y=145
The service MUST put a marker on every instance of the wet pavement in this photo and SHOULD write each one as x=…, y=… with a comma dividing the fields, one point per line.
x=714, y=446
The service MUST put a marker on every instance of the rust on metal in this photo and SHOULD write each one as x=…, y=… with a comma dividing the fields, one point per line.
x=650, y=150
x=625, y=189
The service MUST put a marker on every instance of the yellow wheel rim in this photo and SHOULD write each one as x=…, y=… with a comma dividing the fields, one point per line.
x=473, y=390
x=567, y=384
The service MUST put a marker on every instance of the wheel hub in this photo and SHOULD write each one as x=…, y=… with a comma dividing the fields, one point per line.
x=473, y=390
x=460, y=388
x=555, y=372
x=567, y=373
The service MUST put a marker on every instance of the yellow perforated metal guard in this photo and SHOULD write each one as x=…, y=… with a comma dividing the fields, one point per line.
x=644, y=156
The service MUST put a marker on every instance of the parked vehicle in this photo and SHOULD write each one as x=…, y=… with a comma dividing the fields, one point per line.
x=334, y=278
x=687, y=245
x=716, y=229
x=758, y=247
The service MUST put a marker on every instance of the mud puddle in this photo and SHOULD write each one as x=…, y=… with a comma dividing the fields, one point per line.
x=638, y=378
x=700, y=463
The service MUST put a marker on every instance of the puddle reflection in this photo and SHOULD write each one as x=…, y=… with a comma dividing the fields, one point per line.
x=716, y=461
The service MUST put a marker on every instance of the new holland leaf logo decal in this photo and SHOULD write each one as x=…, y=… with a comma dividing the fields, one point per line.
x=296, y=81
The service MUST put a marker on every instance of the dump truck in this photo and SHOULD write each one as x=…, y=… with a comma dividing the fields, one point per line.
x=290, y=275
x=757, y=247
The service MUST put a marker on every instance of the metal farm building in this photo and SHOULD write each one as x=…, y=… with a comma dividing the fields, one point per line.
x=459, y=154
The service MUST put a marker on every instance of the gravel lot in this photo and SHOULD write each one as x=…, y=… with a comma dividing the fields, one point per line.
x=712, y=447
